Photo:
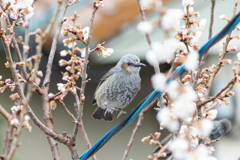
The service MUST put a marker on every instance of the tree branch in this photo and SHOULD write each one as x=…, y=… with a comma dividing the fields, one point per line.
x=204, y=56
x=140, y=118
x=223, y=55
x=143, y=19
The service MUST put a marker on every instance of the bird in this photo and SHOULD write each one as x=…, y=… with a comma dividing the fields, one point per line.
x=117, y=88
x=219, y=128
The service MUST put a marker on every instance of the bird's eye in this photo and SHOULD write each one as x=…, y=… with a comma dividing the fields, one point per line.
x=129, y=63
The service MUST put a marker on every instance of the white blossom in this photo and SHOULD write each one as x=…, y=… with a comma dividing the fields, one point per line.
x=83, y=52
x=192, y=61
x=186, y=3
x=183, y=47
x=204, y=127
x=190, y=10
x=23, y=4
x=107, y=52
x=195, y=39
x=63, y=53
x=238, y=56
x=202, y=24
x=144, y=27
x=60, y=86
x=14, y=121
x=183, y=131
x=161, y=52
x=69, y=43
x=179, y=148
x=200, y=153
x=223, y=17
x=39, y=73
x=183, y=107
x=212, y=114
x=171, y=20
x=86, y=33
x=159, y=81
x=190, y=93
x=165, y=117
x=173, y=89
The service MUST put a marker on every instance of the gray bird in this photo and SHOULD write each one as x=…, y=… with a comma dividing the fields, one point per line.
x=117, y=88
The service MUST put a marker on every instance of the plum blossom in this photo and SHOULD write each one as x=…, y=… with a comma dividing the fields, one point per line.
x=63, y=53
x=195, y=39
x=16, y=109
x=183, y=107
x=172, y=89
x=26, y=123
x=62, y=62
x=159, y=81
x=161, y=52
x=167, y=118
x=204, y=127
x=23, y=4
x=200, y=153
x=202, y=24
x=212, y=114
x=223, y=17
x=144, y=27
x=60, y=86
x=86, y=33
x=106, y=52
x=99, y=3
x=190, y=10
x=183, y=47
x=171, y=20
x=14, y=121
x=83, y=52
x=69, y=42
x=191, y=62
x=179, y=148
x=39, y=73
x=238, y=56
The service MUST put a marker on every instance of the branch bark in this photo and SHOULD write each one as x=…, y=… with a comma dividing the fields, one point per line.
x=140, y=118
x=143, y=19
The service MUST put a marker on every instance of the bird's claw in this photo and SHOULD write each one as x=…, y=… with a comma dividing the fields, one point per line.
x=121, y=112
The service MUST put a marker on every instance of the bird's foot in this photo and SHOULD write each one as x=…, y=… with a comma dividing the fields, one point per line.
x=121, y=112
x=108, y=110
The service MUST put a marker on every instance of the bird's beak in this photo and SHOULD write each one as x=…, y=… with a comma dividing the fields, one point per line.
x=139, y=65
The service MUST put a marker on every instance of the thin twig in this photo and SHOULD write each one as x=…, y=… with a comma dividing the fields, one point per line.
x=5, y=114
x=230, y=84
x=204, y=56
x=223, y=55
x=7, y=141
x=83, y=85
x=163, y=149
x=65, y=107
x=46, y=104
x=140, y=118
x=54, y=47
x=143, y=19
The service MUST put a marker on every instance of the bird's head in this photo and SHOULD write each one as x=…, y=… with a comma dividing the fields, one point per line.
x=130, y=64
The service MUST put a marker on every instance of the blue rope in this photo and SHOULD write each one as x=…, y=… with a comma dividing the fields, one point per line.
x=150, y=98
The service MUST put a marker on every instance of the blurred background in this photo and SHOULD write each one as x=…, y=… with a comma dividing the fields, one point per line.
x=116, y=24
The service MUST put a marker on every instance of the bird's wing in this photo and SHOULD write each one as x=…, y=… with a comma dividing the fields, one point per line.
x=103, y=79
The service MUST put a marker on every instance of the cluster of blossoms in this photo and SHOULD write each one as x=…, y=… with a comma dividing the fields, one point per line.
x=75, y=65
x=19, y=9
x=16, y=110
x=182, y=115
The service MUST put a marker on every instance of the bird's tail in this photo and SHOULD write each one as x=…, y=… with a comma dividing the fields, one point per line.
x=101, y=113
